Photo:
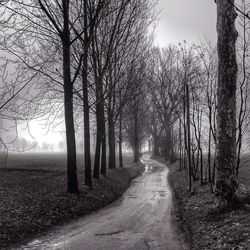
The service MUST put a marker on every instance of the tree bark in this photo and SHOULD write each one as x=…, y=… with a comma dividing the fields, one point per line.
x=97, y=156
x=168, y=139
x=209, y=145
x=103, y=132
x=120, y=141
x=112, y=151
x=225, y=181
x=87, y=155
x=185, y=127
x=156, y=146
x=104, y=147
x=111, y=139
x=98, y=142
x=72, y=185
x=190, y=171
x=180, y=146
x=136, y=143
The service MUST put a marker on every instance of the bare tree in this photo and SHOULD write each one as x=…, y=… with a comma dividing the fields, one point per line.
x=225, y=182
x=52, y=22
x=166, y=92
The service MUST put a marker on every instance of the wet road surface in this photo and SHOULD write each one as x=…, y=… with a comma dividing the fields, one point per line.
x=140, y=219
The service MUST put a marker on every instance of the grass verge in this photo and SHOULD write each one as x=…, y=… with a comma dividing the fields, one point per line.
x=204, y=226
x=32, y=201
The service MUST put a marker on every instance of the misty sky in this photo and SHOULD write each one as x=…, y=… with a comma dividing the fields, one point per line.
x=189, y=20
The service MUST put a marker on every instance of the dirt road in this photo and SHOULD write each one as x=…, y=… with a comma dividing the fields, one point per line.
x=140, y=220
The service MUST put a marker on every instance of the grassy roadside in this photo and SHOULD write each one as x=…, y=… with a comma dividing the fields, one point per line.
x=203, y=226
x=33, y=200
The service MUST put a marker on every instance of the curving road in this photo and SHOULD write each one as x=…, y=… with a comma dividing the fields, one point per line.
x=140, y=220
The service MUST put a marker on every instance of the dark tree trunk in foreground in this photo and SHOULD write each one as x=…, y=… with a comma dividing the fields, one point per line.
x=168, y=143
x=190, y=171
x=69, y=124
x=69, y=117
x=87, y=156
x=112, y=153
x=98, y=144
x=64, y=34
x=103, y=132
x=156, y=146
x=120, y=141
x=111, y=130
x=209, y=146
x=225, y=181
x=100, y=152
x=104, y=147
x=136, y=142
x=180, y=146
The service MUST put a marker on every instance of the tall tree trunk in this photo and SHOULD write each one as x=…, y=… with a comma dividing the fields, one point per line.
x=103, y=133
x=120, y=141
x=243, y=96
x=190, y=171
x=136, y=144
x=87, y=156
x=112, y=151
x=72, y=186
x=185, y=127
x=98, y=140
x=104, y=147
x=156, y=146
x=97, y=151
x=225, y=179
x=180, y=146
x=111, y=129
x=168, y=140
x=209, y=145
x=172, y=149
x=200, y=148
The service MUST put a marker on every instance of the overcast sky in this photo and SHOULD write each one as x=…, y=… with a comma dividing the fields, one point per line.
x=189, y=20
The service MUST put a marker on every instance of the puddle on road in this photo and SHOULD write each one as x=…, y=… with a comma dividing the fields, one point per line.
x=33, y=245
x=132, y=196
x=149, y=168
x=159, y=195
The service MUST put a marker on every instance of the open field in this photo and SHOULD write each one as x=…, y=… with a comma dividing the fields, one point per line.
x=37, y=161
x=33, y=194
x=47, y=161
